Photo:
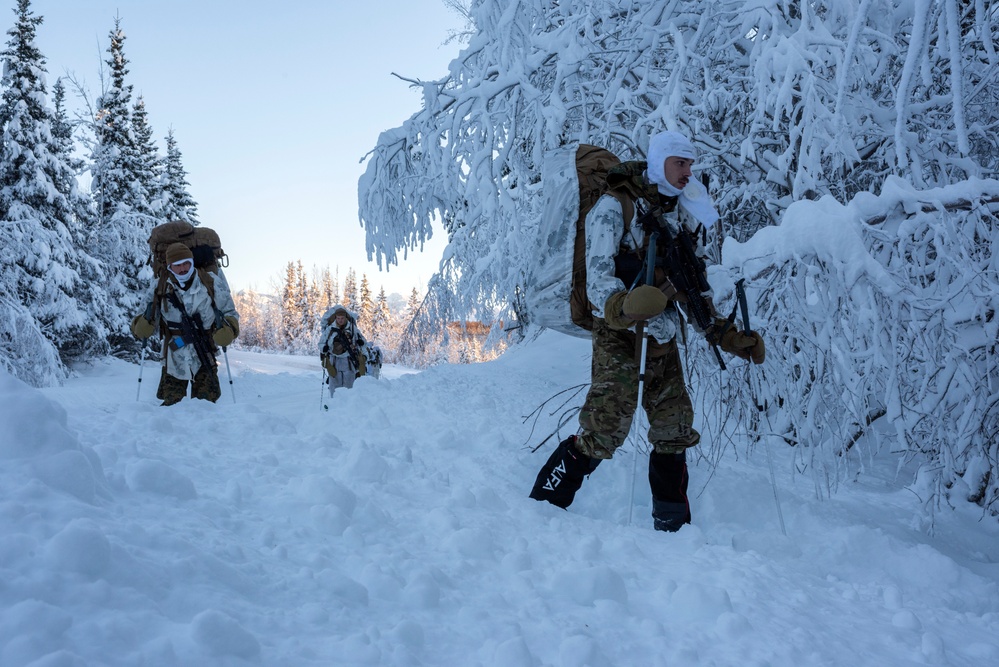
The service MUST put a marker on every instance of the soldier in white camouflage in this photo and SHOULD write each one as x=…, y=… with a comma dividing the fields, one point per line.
x=606, y=417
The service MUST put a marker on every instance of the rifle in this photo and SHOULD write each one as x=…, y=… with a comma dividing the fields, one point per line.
x=193, y=333
x=686, y=271
x=348, y=346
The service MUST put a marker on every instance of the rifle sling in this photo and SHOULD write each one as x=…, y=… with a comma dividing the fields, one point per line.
x=198, y=336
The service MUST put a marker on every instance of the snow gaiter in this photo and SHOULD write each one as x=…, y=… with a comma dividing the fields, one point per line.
x=668, y=481
x=562, y=474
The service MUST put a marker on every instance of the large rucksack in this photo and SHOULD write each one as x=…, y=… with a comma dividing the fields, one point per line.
x=204, y=243
x=574, y=178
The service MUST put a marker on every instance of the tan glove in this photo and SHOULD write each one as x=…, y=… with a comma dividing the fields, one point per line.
x=744, y=345
x=142, y=328
x=226, y=333
x=644, y=302
x=612, y=312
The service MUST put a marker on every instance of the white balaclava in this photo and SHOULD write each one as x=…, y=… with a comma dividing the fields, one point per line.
x=694, y=198
x=182, y=280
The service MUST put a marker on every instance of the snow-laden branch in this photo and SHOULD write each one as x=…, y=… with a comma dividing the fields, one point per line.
x=878, y=334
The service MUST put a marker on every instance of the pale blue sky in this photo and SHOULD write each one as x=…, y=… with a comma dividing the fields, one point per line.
x=272, y=105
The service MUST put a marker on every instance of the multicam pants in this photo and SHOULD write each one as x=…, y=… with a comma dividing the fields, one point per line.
x=205, y=386
x=612, y=400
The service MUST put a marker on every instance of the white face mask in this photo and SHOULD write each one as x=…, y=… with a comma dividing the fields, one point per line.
x=183, y=278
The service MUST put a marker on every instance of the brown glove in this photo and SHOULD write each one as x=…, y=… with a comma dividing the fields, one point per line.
x=744, y=345
x=612, y=312
x=644, y=302
x=226, y=333
x=142, y=328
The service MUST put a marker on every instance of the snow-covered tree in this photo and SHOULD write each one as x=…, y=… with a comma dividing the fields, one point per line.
x=881, y=329
x=151, y=165
x=327, y=290
x=177, y=202
x=252, y=332
x=365, y=305
x=39, y=264
x=350, y=298
x=119, y=187
x=786, y=101
x=89, y=339
x=291, y=312
x=379, y=323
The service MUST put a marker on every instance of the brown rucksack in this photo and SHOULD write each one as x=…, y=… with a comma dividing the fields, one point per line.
x=203, y=242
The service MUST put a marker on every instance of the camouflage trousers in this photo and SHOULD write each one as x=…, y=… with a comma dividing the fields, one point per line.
x=205, y=386
x=610, y=405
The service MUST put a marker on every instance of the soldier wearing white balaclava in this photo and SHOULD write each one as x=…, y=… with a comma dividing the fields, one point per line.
x=664, y=182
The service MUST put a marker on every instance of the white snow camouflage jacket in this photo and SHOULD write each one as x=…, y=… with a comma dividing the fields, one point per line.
x=184, y=363
x=605, y=234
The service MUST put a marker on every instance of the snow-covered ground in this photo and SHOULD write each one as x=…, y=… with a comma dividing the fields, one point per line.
x=394, y=529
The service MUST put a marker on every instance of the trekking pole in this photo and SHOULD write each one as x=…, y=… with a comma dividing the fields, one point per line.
x=740, y=292
x=232, y=391
x=322, y=390
x=650, y=272
x=142, y=360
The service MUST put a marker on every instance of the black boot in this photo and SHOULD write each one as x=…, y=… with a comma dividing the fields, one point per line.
x=562, y=474
x=668, y=481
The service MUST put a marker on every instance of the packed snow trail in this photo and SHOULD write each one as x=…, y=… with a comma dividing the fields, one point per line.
x=395, y=529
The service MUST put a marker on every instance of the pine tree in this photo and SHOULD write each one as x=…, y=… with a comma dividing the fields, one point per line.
x=380, y=321
x=328, y=295
x=307, y=318
x=251, y=330
x=291, y=316
x=412, y=305
x=177, y=201
x=366, y=305
x=40, y=266
x=336, y=286
x=151, y=165
x=122, y=224
x=90, y=293
x=350, y=301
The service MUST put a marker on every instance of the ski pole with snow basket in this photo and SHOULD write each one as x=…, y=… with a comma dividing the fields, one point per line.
x=322, y=390
x=232, y=391
x=740, y=292
x=142, y=361
x=650, y=273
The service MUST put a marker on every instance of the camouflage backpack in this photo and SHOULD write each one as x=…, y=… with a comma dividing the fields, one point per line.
x=574, y=178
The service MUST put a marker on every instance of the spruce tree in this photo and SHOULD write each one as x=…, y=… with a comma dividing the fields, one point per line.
x=90, y=338
x=151, y=165
x=251, y=325
x=122, y=224
x=291, y=315
x=381, y=317
x=366, y=305
x=350, y=290
x=327, y=290
x=177, y=203
x=40, y=266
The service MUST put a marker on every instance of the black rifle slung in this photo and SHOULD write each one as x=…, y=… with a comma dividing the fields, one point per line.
x=350, y=348
x=193, y=332
x=678, y=257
